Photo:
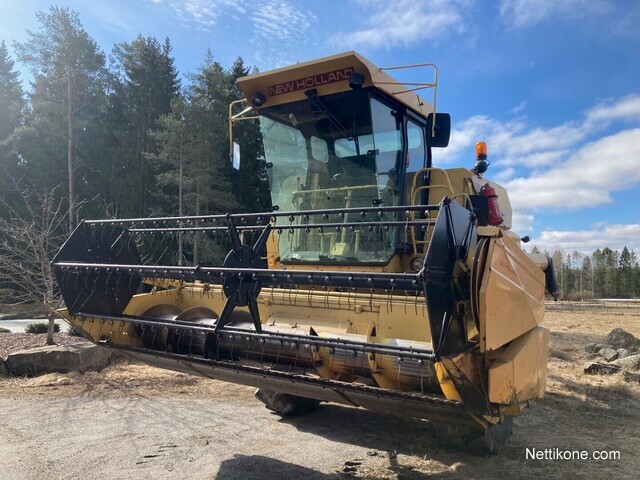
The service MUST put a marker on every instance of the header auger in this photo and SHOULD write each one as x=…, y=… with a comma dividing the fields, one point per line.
x=377, y=280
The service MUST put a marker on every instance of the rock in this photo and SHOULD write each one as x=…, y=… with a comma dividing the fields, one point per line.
x=3, y=368
x=622, y=353
x=632, y=362
x=631, y=377
x=601, y=368
x=601, y=346
x=4, y=330
x=590, y=348
x=58, y=358
x=620, y=338
x=22, y=316
x=608, y=354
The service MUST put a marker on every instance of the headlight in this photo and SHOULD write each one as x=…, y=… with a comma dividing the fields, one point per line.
x=417, y=263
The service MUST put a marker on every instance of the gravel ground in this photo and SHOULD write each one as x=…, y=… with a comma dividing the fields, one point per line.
x=134, y=421
x=14, y=342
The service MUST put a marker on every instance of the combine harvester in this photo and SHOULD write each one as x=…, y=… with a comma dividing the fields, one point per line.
x=377, y=280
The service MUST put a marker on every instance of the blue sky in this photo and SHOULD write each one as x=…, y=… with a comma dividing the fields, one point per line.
x=553, y=86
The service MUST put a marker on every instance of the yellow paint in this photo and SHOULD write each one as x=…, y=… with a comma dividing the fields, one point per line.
x=518, y=372
x=446, y=384
x=511, y=286
x=511, y=294
x=268, y=83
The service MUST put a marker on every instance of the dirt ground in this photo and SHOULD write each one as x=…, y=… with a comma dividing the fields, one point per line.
x=134, y=421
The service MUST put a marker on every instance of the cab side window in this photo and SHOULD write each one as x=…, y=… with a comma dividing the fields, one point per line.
x=416, y=150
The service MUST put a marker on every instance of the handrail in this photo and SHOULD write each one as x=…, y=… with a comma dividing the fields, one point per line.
x=415, y=189
x=236, y=118
x=419, y=86
x=335, y=189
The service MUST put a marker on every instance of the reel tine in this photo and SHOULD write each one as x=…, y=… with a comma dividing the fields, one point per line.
x=234, y=236
x=191, y=334
x=255, y=314
x=229, y=305
x=262, y=239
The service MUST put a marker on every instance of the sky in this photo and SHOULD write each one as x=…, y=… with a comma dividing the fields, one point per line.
x=552, y=86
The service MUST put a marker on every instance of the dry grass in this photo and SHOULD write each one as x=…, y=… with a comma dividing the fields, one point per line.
x=579, y=412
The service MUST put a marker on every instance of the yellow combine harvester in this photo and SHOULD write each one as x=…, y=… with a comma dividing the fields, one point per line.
x=377, y=280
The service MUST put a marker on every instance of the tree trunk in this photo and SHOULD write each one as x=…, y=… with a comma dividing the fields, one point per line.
x=71, y=154
x=50, y=329
x=581, y=298
x=180, y=206
x=196, y=237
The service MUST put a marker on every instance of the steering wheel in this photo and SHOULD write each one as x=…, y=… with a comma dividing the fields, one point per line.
x=339, y=180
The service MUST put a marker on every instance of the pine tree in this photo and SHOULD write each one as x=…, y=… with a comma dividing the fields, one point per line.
x=68, y=68
x=12, y=111
x=611, y=286
x=209, y=96
x=209, y=99
x=172, y=163
x=12, y=104
x=147, y=82
x=628, y=264
x=253, y=192
x=559, y=267
x=587, y=277
x=599, y=269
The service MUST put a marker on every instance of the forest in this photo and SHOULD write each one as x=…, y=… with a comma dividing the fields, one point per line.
x=124, y=134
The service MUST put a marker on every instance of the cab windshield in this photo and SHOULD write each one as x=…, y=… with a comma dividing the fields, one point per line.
x=340, y=151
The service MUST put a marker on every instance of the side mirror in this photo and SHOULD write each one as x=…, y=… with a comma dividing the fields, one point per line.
x=235, y=156
x=438, y=135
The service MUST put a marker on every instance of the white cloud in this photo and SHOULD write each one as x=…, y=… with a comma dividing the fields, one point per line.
x=404, y=22
x=273, y=27
x=278, y=28
x=520, y=107
x=517, y=142
x=626, y=108
x=504, y=175
x=615, y=237
x=513, y=142
x=527, y=13
x=585, y=179
x=203, y=13
x=540, y=159
x=565, y=167
x=463, y=137
x=522, y=223
x=280, y=21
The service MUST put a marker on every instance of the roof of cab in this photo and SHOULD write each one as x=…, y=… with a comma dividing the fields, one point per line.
x=327, y=75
